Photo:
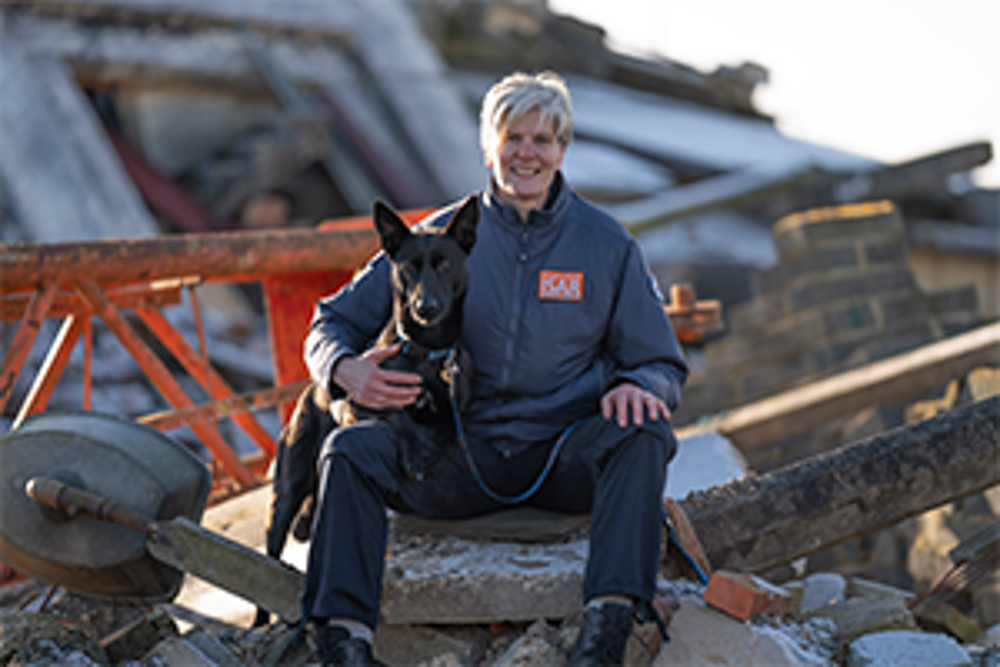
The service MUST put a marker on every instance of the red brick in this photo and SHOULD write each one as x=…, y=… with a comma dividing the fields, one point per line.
x=745, y=596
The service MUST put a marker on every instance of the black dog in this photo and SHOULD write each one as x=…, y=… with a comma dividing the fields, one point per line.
x=429, y=280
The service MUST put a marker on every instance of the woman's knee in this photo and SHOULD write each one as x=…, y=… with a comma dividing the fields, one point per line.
x=363, y=444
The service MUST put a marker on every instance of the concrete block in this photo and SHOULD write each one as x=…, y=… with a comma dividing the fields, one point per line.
x=212, y=648
x=861, y=587
x=410, y=645
x=445, y=581
x=177, y=652
x=745, y=595
x=700, y=635
x=990, y=636
x=531, y=650
x=822, y=589
x=945, y=618
x=901, y=647
x=861, y=616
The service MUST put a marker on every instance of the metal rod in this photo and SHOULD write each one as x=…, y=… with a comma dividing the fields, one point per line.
x=24, y=340
x=232, y=406
x=201, y=370
x=51, y=369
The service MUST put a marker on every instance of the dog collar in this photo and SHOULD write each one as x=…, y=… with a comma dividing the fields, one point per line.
x=431, y=355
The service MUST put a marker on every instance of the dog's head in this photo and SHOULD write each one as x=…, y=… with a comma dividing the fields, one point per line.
x=429, y=269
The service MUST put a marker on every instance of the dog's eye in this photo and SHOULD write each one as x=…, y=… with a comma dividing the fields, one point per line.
x=443, y=266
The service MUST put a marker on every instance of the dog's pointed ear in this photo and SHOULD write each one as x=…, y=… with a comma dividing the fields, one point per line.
x=462, y=226
x=391, y=228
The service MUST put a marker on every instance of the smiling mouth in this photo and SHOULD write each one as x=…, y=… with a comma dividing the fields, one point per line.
x=523, y=172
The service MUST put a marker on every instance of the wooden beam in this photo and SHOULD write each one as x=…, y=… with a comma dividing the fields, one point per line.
x=729, y=190
x=913, y=177
x=757, y=523
x=63, y=178
x=892, y=381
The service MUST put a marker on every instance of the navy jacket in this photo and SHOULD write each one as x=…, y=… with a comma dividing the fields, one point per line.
x=560, y=309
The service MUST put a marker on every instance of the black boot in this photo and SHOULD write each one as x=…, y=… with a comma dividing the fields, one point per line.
x=337, y=648
x=603, y=637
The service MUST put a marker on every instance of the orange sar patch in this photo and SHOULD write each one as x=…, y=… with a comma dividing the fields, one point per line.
x=560, y=285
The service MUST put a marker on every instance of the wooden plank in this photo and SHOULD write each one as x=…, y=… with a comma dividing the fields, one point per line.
x=298, y=18
x=757, y=523
x=63, y=179
x=913, y=177
x=729, y=190
x=953, y=237
x=888, y=382
x=410, y=75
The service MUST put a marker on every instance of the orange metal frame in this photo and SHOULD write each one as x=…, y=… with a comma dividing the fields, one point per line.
x=75, y=282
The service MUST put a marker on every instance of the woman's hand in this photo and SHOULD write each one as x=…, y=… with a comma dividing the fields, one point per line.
x=373, y=387
x=625, y=398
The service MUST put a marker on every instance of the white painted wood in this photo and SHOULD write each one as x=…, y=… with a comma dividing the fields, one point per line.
x=64, y=181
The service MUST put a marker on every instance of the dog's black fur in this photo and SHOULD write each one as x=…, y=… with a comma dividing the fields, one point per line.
x=429, y=280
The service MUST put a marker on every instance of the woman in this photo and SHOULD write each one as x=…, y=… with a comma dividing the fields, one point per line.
x=572, y=351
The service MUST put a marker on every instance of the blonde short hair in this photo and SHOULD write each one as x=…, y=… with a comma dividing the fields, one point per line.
x=519, y=94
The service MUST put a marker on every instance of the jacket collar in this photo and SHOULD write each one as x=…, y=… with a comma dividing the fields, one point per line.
x=555, y=203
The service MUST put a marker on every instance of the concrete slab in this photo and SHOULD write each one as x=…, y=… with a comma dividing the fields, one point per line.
x=700, y=635
x=902, y=647
x=452, y=580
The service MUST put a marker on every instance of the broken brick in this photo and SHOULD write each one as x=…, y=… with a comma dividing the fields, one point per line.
x=745, y=595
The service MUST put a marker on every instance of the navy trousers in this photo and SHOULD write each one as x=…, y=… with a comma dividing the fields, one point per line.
x=616, y=474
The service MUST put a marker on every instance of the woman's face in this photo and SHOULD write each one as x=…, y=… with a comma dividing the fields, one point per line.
x=525, y=161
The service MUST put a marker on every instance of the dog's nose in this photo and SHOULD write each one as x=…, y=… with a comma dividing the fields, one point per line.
x=428, y=309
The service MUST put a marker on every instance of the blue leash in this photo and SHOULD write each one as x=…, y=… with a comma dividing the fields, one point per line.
x=507, y=500
x=672, y=536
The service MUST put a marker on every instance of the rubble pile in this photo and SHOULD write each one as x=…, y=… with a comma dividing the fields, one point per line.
x=831, y=620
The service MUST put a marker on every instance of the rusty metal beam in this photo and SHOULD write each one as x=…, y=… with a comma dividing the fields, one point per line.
x=216, y=386
x=24, y=340
x=66, y=303
x=222, y=256
x=52, y=368
x=161, y=378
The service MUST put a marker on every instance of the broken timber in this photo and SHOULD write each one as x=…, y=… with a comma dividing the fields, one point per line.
x=892, y=381
x=758, y=523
